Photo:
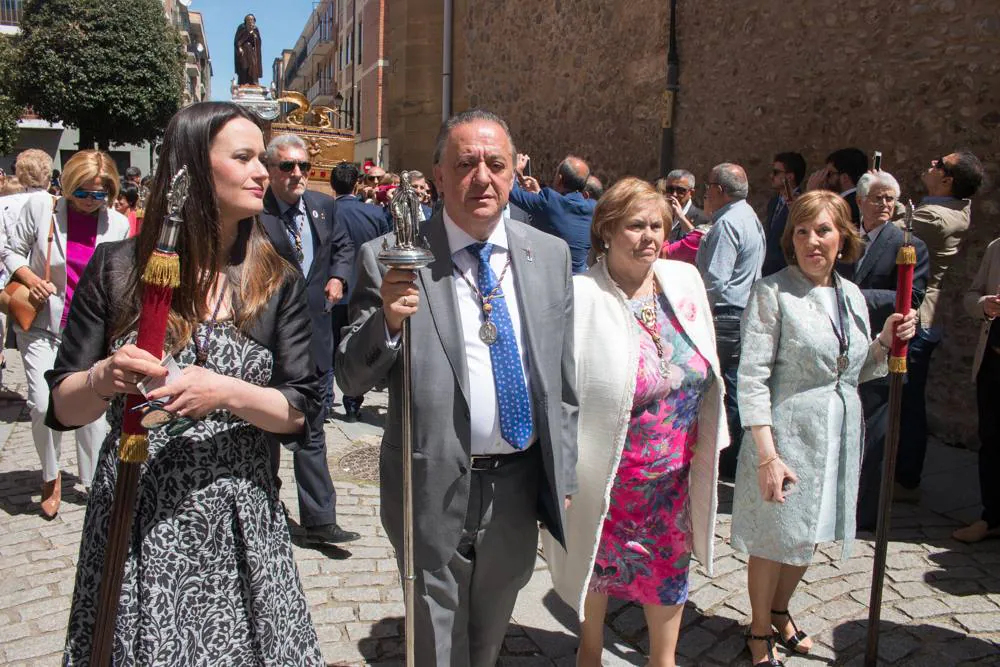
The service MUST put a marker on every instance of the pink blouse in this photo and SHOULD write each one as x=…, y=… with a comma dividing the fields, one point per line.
x=81, y=238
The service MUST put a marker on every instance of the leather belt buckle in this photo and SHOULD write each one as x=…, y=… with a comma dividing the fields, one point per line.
x=485, y=463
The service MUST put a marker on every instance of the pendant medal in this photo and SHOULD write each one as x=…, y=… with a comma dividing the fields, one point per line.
x=664, y=369
x=842, y=363
x=488, y=333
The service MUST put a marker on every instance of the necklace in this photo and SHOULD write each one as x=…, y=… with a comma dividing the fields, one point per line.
x=843, y=338
x=647, y=320
x=201, y=346
x=488, y=330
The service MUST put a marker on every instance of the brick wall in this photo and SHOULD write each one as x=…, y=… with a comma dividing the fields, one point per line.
x=913, y=79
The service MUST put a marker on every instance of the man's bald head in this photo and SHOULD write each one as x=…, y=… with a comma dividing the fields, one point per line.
x=571, y=175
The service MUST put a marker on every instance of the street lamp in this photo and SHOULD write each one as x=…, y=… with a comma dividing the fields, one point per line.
x=338, y=102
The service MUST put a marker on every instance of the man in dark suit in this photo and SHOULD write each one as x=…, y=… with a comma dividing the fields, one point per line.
x=876, y=274
x=561, y=210
x=300, y=225
x=493, y=417
x=787, y=174
x=841, y=173
x=362, y=222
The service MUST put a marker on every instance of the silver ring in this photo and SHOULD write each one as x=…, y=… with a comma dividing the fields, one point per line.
x=406, y=300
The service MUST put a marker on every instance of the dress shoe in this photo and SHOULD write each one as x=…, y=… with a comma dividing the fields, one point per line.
x=330, y=533
x=52, y=496
x=901, y=494
x=976, y=532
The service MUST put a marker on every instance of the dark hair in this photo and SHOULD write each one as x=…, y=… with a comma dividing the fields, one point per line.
x=794, y=163
x=808, y=207
x=133, y=172
x=131, y=194
x=850, y=161
x=255, y=269
x=344, y=177
x=967, y=175
x=594, y=188
x=573, y=180
x=470, y=116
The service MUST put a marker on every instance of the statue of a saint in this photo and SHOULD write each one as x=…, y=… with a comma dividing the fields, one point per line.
x=247, y=51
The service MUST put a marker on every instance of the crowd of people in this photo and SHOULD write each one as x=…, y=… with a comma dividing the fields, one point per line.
x=588, y=361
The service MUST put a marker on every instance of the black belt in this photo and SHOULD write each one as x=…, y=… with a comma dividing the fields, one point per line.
x=728, y=310
x=489, y=462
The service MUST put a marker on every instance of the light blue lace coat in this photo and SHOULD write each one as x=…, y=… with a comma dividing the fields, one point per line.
x=787, y=375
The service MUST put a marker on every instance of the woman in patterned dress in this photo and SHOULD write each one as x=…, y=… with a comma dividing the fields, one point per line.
x=806, y=346
x=209, y=578
x=650, y=427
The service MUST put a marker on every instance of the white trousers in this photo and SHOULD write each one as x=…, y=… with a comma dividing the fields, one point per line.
x=38, y=352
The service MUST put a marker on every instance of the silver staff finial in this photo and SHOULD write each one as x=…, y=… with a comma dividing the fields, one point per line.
x=409, y=251
x=178, y=192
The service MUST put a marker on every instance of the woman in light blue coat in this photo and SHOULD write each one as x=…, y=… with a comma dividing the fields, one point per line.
x=806, y=347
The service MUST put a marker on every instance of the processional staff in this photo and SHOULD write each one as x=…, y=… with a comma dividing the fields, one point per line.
x=409, y=254
x=906, y=261
x=160, y=276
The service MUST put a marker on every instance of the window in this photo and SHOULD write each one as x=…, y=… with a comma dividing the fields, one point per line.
x=361, y=41
x=357, y=116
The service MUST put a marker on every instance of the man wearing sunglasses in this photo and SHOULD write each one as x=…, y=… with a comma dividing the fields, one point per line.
x=301, y=226
x=677, y=188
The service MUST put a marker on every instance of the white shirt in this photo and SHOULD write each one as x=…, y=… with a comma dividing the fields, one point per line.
x=847, y=192
x=482, y=393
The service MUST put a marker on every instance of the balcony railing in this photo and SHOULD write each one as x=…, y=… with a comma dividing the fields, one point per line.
x=10, y=12
x=321, y=87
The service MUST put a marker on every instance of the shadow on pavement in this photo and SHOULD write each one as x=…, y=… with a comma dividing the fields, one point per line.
x=912, y=645
x=17, y=487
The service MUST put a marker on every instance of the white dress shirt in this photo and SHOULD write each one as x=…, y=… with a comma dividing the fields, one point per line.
x=482, y=393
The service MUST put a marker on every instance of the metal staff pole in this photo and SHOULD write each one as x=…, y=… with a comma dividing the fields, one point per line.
x=906, y=260
x=410, y=254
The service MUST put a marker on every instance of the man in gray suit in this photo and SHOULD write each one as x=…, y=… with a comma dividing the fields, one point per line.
x=494, y=402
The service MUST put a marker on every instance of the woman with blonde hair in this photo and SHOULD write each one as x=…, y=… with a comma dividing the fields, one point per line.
x=77, y=223
x=806, y=347
x=650, y=430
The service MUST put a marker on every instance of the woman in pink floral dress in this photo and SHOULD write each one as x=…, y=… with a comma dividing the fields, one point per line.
x=650, y=427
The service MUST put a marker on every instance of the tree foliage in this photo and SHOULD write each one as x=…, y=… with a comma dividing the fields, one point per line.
x=111, y=68
x=10, y=110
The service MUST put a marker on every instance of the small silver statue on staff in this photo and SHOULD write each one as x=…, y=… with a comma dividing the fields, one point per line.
x=409, y=254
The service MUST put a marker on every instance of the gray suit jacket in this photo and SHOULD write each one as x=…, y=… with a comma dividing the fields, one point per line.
x=440, y=380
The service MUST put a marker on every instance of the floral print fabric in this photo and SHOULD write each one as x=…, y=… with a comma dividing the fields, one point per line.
x=645, y=545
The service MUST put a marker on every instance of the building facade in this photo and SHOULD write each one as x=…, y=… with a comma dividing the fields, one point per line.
x=338, y=61
x=914, y=80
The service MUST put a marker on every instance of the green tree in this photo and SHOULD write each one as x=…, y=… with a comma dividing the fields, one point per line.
x=10, y=110
x=111, y=68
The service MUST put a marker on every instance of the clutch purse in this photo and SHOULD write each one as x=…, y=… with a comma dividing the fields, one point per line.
x=15, y=298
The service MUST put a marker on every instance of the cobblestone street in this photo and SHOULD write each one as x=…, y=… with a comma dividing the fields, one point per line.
x=941, y=599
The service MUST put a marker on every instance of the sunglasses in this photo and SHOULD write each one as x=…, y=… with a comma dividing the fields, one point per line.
x=288, y=165
x=676, y=190
x=372, y=179
x=96, y=195
x=940, y=164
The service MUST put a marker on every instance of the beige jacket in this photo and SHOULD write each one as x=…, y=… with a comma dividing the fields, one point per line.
x=986, y=283
x=941, y=227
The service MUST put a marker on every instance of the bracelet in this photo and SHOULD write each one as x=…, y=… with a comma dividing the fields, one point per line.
x=885, y=348
x=90, y=384
x=768, y=461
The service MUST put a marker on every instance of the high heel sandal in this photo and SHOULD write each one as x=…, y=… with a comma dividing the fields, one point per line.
x=791, y=643
x=769, y=659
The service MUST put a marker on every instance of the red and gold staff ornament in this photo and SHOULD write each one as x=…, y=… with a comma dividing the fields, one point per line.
x=161, y=275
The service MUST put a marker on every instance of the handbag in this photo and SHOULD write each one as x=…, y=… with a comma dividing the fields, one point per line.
x=15, y=299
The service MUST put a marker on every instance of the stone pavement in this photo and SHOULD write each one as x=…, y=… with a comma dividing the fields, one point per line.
x=942, y=599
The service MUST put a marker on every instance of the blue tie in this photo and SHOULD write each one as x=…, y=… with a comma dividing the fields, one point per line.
x=508, y=376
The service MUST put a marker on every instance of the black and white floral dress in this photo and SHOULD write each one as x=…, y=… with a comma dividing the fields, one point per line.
x=210, y=578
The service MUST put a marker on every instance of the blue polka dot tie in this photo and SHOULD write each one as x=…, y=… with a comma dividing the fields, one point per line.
x=508, y=376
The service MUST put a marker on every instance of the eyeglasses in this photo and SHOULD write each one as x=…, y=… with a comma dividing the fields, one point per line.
x=676, y=190
x=778, y=172
x=96, y=195
x=708, y=186
x=942, y=165
x=288, y=165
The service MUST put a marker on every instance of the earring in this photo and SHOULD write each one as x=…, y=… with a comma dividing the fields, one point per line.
x=606, y=246
x=840, y=255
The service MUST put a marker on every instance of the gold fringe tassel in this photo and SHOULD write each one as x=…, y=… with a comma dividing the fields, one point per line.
x=897, y=364
x=907, y=255
x=133, y=448
x=163, y=270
